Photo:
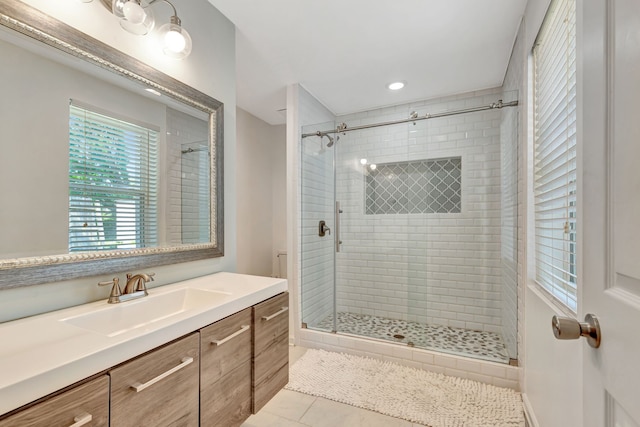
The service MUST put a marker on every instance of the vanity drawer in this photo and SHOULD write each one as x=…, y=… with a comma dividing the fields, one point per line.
x=270, y=362
x=270, y=373
x=227, y=402
x=224, y=346
x=88, y=402
x=225, y=371
x=270, y=321
x=159, y=388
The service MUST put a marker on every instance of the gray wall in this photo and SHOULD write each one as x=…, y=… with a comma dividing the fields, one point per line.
x=260, y=172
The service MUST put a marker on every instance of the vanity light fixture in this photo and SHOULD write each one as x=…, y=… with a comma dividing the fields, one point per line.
x=136, y=17
x=176, y=40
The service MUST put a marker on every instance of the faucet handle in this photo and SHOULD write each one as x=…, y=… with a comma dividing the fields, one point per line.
x=116, y=292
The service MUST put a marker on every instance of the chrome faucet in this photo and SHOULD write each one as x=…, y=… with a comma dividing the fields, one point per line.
x=136, y=287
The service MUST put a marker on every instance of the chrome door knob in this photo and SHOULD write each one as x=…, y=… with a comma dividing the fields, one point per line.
x=567, y=328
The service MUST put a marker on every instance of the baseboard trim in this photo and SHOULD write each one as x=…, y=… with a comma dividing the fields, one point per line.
x=529, y=415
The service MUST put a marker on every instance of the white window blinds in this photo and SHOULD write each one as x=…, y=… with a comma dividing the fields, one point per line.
x=112, y=183
x=554, y=56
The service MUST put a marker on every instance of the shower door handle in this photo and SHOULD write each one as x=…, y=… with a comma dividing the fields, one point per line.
x=337, y=227
x=323, y=229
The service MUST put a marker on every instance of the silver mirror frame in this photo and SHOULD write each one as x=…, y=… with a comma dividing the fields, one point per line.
x=20, y=272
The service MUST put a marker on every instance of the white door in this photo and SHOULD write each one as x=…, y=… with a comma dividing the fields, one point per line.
x=611, y=209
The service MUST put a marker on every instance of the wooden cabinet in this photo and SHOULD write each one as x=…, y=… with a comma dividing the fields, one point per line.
x=84, y=405
x=160, y=388
x=225, y=371
x=215, y=376
x=270, y=363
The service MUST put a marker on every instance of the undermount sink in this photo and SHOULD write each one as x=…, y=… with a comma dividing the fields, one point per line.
x=117, y=319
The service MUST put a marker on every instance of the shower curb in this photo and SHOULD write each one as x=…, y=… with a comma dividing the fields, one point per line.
x=498, y=374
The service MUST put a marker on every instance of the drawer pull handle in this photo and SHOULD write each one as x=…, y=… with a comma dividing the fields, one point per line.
x=81, y=420
x=243, y=328
x=277, y=313
x=139, y=387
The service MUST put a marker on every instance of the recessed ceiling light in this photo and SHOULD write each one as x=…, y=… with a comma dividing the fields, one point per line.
x=395, y=85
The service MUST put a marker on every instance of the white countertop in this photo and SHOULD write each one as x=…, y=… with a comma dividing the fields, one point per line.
x=44, y=353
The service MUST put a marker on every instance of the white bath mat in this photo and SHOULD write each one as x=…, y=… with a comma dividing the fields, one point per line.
x=415, y=395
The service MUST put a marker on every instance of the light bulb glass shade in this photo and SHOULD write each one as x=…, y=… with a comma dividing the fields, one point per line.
x=176, y=41
x=133, y=12
x=134, y=18
x=117, y=7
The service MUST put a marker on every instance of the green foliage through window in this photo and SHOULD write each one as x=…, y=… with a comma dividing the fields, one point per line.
x=112, y=183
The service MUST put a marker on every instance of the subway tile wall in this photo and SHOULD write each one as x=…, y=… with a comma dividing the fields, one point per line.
x=196, y=197
x=515, y=83
x=509, y=228
x=440, y=268
x=187, y=191
x=316, y=254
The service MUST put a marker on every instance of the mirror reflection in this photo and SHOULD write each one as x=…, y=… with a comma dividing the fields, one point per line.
x=94, y=162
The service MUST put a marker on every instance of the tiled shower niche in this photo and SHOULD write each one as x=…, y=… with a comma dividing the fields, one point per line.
x=415, y=187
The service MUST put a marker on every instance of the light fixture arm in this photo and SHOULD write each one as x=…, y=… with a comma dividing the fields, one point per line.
x=175, y=12
x=136, y=17
x=174, y=18
x=107, y=4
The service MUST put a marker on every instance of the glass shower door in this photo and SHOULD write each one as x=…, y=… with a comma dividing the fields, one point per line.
x=373, y=266
x=317, y=232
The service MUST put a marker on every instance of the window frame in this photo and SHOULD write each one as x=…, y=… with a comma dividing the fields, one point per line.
x=125, y=154
x=559, y=294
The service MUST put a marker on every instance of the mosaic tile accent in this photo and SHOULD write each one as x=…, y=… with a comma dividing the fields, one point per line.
x=424, y=186
x=458, y=341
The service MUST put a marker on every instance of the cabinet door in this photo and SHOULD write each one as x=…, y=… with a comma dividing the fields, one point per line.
x=225, y=371
x=159, y=388
x=84, y=405
x=270, y=363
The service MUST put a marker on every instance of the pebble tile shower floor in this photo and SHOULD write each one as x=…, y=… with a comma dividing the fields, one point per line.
x=458, y=341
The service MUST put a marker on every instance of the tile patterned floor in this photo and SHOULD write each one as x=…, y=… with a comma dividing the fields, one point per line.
x=458, y=341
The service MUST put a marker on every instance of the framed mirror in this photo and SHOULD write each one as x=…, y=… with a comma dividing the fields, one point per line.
x=107, y=164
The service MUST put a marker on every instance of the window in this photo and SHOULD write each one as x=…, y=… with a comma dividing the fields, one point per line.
x=554, y=181
x=112, y=182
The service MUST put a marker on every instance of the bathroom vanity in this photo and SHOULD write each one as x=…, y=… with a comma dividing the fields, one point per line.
x=212, y=359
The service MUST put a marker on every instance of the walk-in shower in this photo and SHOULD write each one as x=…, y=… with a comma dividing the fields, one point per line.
x=195, y=179
x=420, y=202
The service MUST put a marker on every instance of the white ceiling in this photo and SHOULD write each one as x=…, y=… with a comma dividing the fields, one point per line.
x=345, y=51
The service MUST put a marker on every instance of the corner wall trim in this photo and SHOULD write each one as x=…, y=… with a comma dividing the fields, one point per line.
x=528, y=412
